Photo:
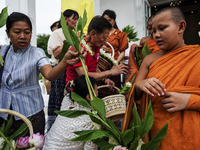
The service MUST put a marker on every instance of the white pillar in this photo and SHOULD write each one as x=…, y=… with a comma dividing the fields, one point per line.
x=96, y=4
x=27, y=7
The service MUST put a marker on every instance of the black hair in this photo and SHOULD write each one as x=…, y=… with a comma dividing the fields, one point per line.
x=15, y=17
x=150, y=18
x=55, y=24
x=112, y=15
x=80, y=86
x=176, y=13
x=98, y=23
x=68, y=13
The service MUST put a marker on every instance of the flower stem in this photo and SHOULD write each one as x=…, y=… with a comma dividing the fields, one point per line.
x=2, y=135
x=90, y=88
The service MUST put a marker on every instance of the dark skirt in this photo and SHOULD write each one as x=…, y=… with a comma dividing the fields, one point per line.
x=37, y=120
x=55, y=99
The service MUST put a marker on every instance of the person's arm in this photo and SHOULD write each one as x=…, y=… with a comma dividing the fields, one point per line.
x=116, y=70
x=70, y=58
x=150, y=86
x=57, y=52
x=120, y=57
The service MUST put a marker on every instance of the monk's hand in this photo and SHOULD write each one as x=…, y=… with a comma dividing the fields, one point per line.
x=151, y=86
x=174, y=101
x=119, y=69
x=72, y=56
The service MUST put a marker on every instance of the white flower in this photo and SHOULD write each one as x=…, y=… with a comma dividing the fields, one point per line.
x=140, y=143
x=36, y=140
x=128, y=84
x=119, y=148
x=112, y=141
x=2, y=141
x=107, y=56
x=87, y=47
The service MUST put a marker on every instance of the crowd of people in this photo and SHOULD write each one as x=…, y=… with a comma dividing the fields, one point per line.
x=169, y=77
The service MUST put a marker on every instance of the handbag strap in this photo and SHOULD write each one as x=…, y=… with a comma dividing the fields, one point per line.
x=4, y=58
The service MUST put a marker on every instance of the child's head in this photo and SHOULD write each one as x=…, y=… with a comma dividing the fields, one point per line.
x=168, y=28
x=98, y=31
x=80, y=86
x=149, y=24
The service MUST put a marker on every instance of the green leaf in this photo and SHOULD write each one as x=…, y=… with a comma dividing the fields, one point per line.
x=96, y=120
x=134, y=144
x=64, y=50
x=90, y=135
x=100, y=142
x=78, y=25
x=138, y=58
x=80, y=100
x=84, y=20
x=155, y=142
x=108, y=147
x=137, y=122
x=127, y=136
x=23, y=128
x=99, y=106
x=6, y=131
x=112, y=125
x=71, y=113
x=1, y=60
x=147, y=122
x=3, y=16
x=145, y=50
x=70, y=36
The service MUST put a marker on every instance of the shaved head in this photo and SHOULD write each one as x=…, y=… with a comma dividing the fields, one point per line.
x=176, y=13
x=150, y=18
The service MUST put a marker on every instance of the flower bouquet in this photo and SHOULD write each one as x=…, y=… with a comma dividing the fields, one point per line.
x=131, y=138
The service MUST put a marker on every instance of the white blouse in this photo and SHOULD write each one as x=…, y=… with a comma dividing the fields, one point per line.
x=63, y=128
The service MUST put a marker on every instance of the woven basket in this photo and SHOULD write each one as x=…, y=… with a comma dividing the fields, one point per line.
x=14, y=113
x=115, y=105
x=103, y=63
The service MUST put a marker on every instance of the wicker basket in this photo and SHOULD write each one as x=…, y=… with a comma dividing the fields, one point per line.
x=115, y=105
x=14, y=113
x=103, y=63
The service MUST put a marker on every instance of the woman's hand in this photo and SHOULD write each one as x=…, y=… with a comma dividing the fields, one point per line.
x=105, y=48
x=72, y=57
x=151, y=86
x=174, y=101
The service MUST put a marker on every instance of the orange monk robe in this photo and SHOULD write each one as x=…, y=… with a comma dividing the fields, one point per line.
x=179, y=70
x=152, y=46
x=119, y=41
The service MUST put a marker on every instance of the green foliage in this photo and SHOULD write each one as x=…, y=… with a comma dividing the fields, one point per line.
x=6, y=131
x=145, y=52
x=42, y=41
x=3, y=17
x=130, y=33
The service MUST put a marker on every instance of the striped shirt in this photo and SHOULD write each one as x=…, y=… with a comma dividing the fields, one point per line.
x=20, y=80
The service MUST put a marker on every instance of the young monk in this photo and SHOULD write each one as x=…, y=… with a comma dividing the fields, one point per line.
x=170, y=78
x=149, y=39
